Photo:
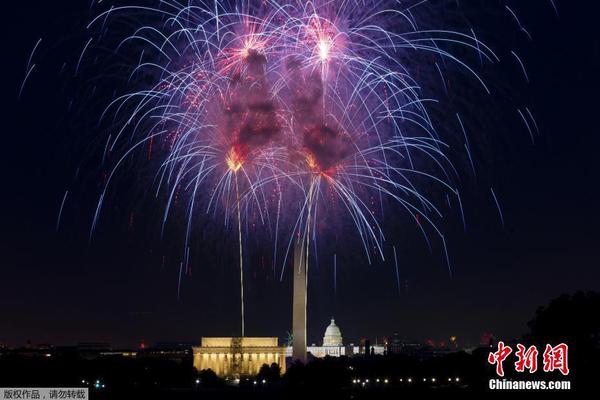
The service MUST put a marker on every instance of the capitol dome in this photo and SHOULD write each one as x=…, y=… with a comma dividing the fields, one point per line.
x=333, y=335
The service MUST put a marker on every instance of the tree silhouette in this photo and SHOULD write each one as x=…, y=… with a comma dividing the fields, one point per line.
x=208, y=378
x=270, y=373
x=574, y=320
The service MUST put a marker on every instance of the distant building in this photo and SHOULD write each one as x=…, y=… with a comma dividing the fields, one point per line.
x=92, y=350
x=119, y=353
x=179, y=352
x=412, y=348
x=333, y=345
x=395, y=344
x=238, y=356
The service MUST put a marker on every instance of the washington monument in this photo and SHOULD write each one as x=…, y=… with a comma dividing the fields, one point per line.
x=299, y=305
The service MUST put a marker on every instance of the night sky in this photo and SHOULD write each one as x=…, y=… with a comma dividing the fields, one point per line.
x=55, y=287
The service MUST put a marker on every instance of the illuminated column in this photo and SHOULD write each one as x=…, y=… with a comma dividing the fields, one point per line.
x=299, y=304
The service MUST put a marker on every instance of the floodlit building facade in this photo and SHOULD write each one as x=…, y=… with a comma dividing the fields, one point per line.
x=333, y=345
x=238, y=356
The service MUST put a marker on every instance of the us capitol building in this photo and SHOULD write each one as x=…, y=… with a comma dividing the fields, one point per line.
x=333, y=345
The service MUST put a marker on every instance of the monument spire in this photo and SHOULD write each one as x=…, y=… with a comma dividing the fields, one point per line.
x=299, y=303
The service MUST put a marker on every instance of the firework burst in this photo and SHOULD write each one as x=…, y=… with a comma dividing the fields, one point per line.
x=291, y=114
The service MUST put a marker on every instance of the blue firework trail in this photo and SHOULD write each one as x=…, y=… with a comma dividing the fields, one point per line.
x=290, y=115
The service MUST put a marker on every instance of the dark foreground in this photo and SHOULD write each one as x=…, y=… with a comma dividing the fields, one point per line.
x=572, y=319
